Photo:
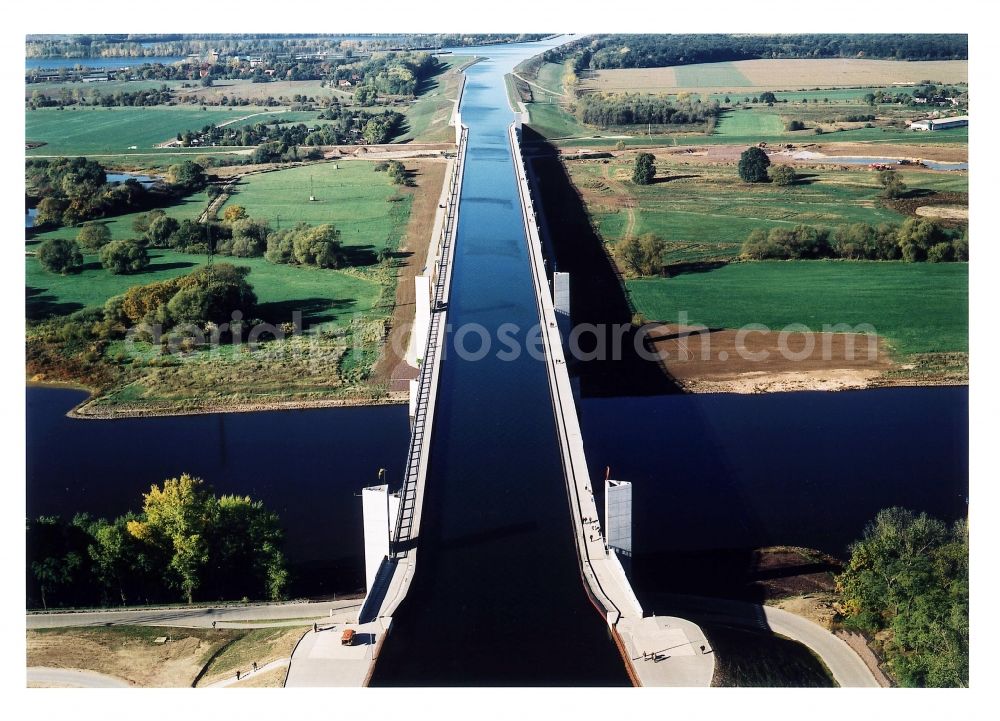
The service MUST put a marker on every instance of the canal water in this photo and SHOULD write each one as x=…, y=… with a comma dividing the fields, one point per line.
x=497, y=597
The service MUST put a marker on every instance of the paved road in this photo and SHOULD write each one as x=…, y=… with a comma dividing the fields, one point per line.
x=845, y=665
x=277, y=614
x=231, y=681
x=73, y=677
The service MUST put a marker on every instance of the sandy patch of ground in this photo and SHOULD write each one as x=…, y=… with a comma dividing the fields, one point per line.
x=817, y=607
x=728, y=361
x=948, y=212
x=130, y=653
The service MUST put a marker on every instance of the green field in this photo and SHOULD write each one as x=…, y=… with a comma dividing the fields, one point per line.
x=188, y=208
x=746, y=123
x=918, y=307
x=90, y=131
x=705, y=212
x=324, y=296
x=367, y=208
x=710, y=75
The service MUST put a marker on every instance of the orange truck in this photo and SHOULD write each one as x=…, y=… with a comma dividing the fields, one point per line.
x=347, y=637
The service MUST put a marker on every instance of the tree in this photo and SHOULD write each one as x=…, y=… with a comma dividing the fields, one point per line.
x=50, y=211
x=141, y=222
x=93, y=236
x=783, y=175
x=161, y=231
x=940, y=252
x=645, y=169
x=641, y=256
x=753, y=165
x=58, y=255
x=907, y=580
x=249, y=238
x=187, y=177
x=319, y=246
x=768, y=97
x=915, y=238
x=123, y=257
x=233, y=213
x=892, y=184
x=176, y=518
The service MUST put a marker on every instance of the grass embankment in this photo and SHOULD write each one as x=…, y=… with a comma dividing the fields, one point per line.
x=189, y=655
x=918, y=307
x=427, y=117
x=262, y=645
x=341, y=309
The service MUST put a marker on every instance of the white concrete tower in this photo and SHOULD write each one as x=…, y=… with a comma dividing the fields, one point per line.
x=618, y=516
x=379, y=508
x=560, y=303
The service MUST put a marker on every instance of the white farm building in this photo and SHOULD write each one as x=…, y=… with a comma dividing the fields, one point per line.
x=940, y=123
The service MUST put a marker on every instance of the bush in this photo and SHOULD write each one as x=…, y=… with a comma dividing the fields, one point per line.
x=795, y=125
x=93, y=236
x=641, y=256
x=940, y=253
x=892, y=185
x=123, y=257
x=783, y=175
x=60, y=256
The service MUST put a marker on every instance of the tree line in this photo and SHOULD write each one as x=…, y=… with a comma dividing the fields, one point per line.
x=612, y=109
x=915, y=240
x=652, y=51
x=185, y=544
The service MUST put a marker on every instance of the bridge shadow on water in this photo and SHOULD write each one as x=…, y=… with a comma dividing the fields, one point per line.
x=597, y=295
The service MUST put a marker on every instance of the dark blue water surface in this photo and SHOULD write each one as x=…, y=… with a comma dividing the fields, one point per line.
x=807, y=469
x=305, y=465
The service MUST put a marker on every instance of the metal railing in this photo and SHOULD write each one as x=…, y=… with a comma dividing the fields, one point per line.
x=426, y=379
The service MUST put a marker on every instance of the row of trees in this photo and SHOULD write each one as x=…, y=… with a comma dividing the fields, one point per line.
x=349, y=126
x=612, y=109
x=186, y=543
x=653, y=51
x=907, y=584
x=915, y=240
x=95, y=97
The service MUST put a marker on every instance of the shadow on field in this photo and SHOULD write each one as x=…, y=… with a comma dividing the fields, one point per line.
x=706, y=266
x=155, y=267
x=597, y=295
x=39, y=305
x=360, y=255
x=314, y=310
x=670, y=178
